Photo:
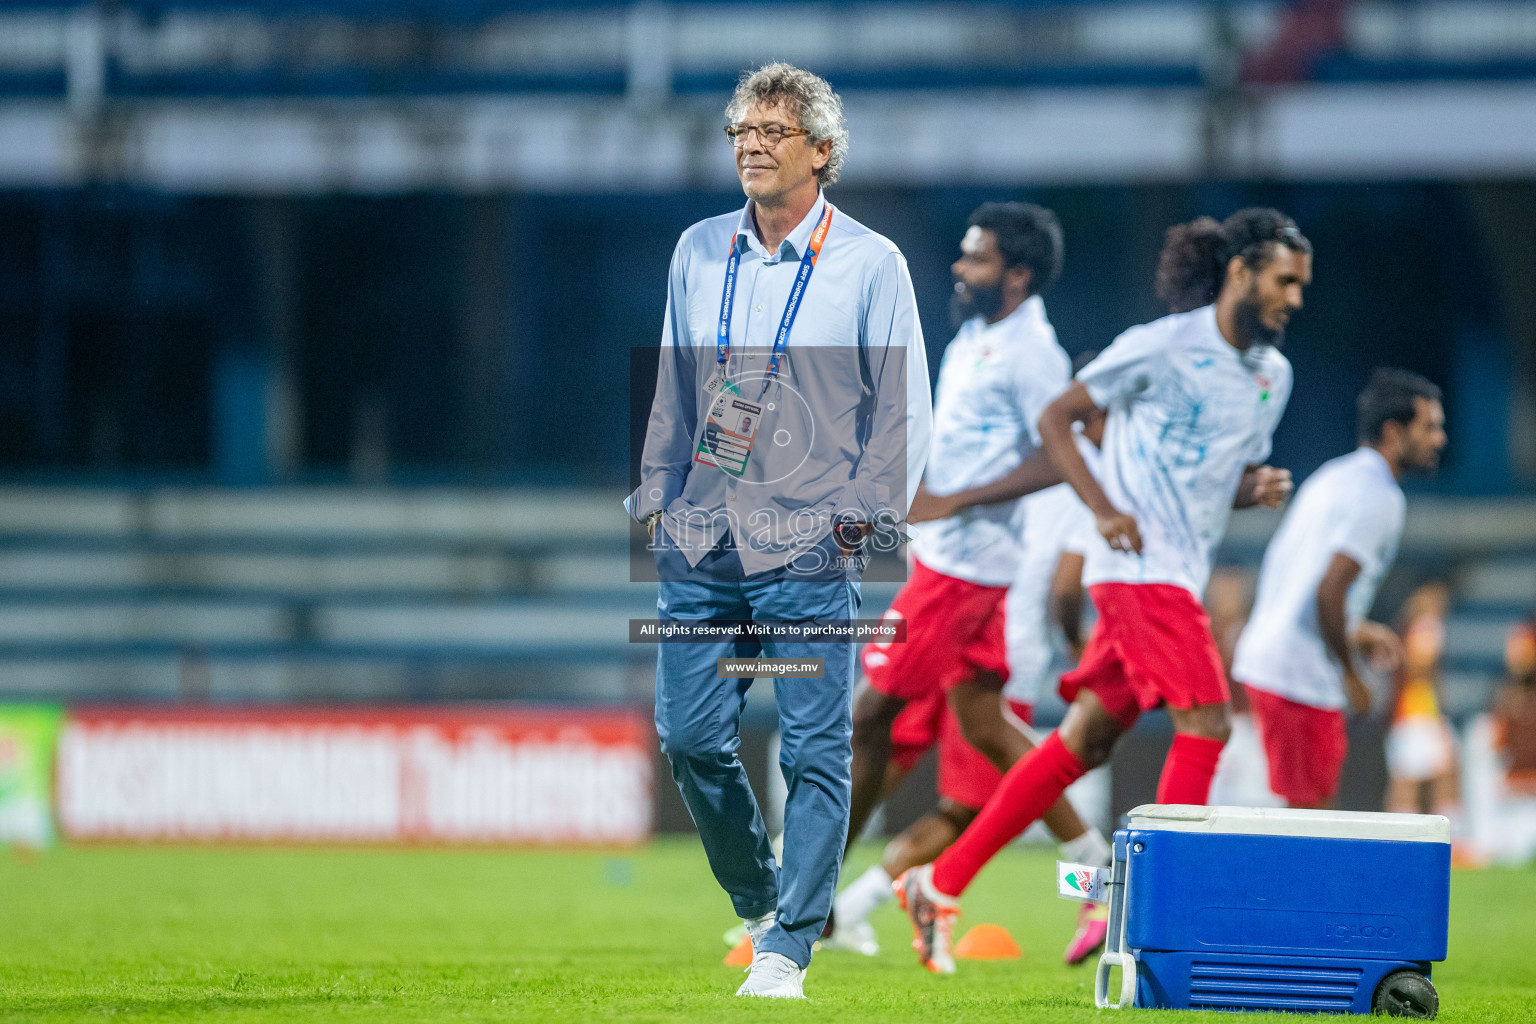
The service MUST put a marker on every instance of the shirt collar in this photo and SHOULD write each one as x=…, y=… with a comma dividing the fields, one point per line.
x=1212, y=330
x=1031, y=310
x=1250, y=358
x=1376, y=459
x=793, y=247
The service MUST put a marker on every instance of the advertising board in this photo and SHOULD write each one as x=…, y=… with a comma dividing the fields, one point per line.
x=27, y=734
x=492, y=774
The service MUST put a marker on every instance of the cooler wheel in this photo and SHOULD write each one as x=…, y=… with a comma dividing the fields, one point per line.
x=1406, y=994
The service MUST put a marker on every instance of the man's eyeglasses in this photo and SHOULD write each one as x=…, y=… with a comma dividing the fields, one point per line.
x=770, y=135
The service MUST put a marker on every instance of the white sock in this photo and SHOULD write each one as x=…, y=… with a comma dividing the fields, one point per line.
x=862, y=895
x=1088, y=848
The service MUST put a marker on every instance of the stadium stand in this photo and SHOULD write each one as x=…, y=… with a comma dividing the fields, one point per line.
x=442, y=95
x=335, y=47
x=332, y=593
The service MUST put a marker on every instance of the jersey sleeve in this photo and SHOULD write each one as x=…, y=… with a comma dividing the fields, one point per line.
x=1037, y=385
x=1126, y=368
x=1367, y=527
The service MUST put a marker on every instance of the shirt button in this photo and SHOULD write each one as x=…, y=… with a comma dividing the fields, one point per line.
x=758, y=308
x=733, y=497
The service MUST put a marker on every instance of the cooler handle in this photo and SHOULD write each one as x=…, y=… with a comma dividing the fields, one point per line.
x=1107, y=963
x=1115, y=952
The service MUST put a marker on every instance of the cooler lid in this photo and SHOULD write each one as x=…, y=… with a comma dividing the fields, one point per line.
x=1286, y=821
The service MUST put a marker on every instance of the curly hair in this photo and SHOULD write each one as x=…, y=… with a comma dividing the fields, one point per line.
x=1027, y=235
x=1193, y=263
x=809, y=97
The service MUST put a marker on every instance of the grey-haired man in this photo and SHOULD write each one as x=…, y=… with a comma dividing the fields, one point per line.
x=791, y=418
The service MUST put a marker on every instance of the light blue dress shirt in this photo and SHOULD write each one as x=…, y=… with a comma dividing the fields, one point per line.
x=845, y=428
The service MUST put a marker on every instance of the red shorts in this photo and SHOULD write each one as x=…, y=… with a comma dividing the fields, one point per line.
x=1305, y=746
x=1152, y=645
x=954, y=631
x=965, y=774
x=916, y=728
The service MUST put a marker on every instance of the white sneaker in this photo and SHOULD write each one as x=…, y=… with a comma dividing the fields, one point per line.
x=855, y=937
x=757, y=927
x=775, y=976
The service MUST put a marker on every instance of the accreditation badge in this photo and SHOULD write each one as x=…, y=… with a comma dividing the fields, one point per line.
x=729, y=430
x=717, y=382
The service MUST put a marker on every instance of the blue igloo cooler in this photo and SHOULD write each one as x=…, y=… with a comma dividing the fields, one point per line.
x=1258, y=908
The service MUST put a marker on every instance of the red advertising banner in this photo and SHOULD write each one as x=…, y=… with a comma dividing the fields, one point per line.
x=478, y=775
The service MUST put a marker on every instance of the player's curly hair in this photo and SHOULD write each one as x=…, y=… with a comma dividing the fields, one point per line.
x=1193, y=263
x=1027, y=235
x=809, y=97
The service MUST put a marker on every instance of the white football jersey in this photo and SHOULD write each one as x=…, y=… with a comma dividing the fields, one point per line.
x=1351, y=506
x=994, y=382
x=1188, y=413
x=1055, y=521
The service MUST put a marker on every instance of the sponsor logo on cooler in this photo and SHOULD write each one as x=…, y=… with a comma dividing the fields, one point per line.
x=1380, y=932
x=501, y=777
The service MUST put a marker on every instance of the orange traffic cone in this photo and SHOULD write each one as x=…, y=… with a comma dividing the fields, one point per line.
x=987, y=942
x=740, y=954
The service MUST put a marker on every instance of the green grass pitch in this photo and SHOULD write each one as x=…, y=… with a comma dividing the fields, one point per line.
x=210, y=934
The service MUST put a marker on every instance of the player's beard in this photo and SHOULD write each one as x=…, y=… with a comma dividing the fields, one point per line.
x=1423, y=463
x=968, y=301
x=1248, y=318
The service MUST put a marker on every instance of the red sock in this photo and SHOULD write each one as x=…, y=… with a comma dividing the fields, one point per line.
x=1188, y=771
x=1026, y=792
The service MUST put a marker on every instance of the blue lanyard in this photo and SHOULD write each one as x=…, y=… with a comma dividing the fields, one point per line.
x=792, y=307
